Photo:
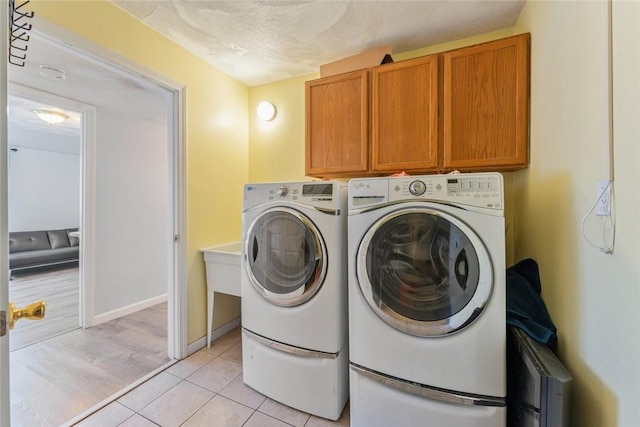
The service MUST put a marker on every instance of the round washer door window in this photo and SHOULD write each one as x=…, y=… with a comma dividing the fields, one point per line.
x=286, y=259
x=424, y=272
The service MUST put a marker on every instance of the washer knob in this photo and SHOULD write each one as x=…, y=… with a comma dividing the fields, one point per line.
x=417, y=188
x=282, y=191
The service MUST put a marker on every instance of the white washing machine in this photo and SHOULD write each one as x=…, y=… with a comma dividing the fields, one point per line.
x=294, y=294
x=427, y=331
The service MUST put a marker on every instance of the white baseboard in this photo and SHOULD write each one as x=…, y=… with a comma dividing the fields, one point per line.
x=215, y=334
x=114, y=314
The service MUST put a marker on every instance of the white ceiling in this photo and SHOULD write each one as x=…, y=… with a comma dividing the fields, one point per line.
x=21, y=115
x=80, y=81
x=258, y=42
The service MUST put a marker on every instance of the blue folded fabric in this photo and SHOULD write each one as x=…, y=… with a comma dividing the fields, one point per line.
x=525, y=308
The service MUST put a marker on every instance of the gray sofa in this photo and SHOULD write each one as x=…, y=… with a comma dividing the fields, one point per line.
x=32, y=249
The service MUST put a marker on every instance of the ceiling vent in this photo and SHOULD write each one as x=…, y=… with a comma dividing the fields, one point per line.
x=52, y=73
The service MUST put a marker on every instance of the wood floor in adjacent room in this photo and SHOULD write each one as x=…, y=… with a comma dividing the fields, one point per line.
x=59, y=289
x=54, y=380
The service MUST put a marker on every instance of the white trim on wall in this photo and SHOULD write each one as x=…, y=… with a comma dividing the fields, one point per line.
x=87, y=218
x=177, y=306
x=123, y=311
x=215, y=334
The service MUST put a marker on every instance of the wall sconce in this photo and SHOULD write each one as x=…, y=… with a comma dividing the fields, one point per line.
x=266, y=111
x=51, y=117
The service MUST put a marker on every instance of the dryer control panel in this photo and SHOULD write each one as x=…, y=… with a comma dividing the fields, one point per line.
x=327, y=194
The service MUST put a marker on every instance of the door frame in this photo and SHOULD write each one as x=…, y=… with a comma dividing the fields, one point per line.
x=5, y=419
x=87, y=172
x=177, y=295
x=176, y=95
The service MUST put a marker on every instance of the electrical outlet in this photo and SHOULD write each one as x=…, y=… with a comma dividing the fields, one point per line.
x=603, y=206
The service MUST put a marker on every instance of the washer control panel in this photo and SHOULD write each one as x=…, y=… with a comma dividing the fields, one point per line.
x=483, y=190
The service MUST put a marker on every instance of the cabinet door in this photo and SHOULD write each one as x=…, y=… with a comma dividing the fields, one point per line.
x=337, y=125
x=405, y=116
x=486, y=106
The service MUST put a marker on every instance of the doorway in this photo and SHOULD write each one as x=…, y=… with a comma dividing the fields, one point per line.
x=44, y=199
x=124, y=243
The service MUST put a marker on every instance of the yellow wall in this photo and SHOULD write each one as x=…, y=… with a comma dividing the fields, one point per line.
x=593, y=298
x=216, y=135
x=469, y=41
x=276, y=148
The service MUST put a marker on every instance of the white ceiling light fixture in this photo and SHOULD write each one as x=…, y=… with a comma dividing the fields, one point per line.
x=266, y=111
x=50, y=116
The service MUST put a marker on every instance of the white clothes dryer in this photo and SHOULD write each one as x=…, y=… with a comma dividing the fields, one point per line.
x=294, y=294
x=427, y=306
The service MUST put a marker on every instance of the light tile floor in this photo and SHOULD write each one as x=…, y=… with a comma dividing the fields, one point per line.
x=205, y=389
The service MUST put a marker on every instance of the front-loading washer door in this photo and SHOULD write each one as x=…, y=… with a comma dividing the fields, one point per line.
x=424, y=272
x=286, y=258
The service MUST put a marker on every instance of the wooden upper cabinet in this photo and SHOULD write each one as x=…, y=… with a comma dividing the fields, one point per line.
x=465, y=109
x=337, y=123
x=404, y=126
x=486, y=106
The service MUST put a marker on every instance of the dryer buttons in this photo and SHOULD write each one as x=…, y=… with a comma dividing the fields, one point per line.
x=417, y=188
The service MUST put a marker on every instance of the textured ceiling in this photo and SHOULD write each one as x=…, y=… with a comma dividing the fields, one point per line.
x=258, y=42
